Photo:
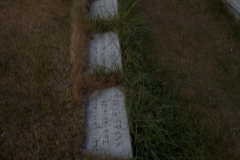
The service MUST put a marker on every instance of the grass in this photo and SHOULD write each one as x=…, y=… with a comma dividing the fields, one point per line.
x=198, y=51
x=220, y=11
x=177, y=94
x=159, y=130
x=180, y=73
x=40, y=110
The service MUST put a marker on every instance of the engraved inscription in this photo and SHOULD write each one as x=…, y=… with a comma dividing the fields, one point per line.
x=108, y=131
x=93, y=121
x=115, y=103
x=94, y=104
x=105, y=121
x=117, y=124
x=104, y=51
x=115, y=114
x=105, y=137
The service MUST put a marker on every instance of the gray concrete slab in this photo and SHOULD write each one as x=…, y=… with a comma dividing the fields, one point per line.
x=234, y=6
x=104, y=52
x=103, y=8
x=107, y=124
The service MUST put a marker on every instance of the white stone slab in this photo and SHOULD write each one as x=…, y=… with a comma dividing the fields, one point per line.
x=104, y=51
x=235, y=7
x=108, y=132
x=103, y=8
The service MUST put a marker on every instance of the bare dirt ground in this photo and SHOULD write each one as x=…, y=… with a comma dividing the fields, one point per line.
x=202, y=56
x=41, y=110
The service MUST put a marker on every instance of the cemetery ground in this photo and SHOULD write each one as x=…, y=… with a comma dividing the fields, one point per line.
x=40, y=112
x=180, y=72
x=199, y=53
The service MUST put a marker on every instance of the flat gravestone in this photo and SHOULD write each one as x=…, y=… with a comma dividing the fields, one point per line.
x=103, y=9
x=107, y=123
x=235, y=7
x=104, y=52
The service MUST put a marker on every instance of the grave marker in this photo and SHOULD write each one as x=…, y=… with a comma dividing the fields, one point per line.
x=104, y=51
x=234, y=6
x=107, y=124
x=103, y=8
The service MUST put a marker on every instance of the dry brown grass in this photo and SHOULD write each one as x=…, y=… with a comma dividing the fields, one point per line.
x=43, y=79
x=202, y=57
x=42, y=56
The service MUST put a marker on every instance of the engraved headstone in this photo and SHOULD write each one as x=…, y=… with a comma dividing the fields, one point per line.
x=104, y=51
x=103, y=8
x=107, y=124
x=235, y=7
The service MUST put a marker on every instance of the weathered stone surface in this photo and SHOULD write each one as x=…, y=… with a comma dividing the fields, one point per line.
x=104, y=51
x=107, y=123
x=234, y=6
x=103, y=8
